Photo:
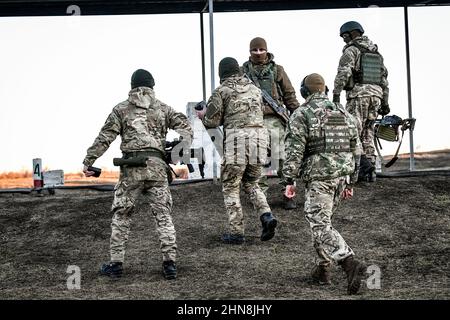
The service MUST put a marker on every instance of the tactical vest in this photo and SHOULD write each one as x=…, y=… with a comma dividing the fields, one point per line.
x=331, y=133
x=265, y=78
x=371, y=65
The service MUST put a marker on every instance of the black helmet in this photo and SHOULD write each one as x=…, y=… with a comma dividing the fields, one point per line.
x=349, y=26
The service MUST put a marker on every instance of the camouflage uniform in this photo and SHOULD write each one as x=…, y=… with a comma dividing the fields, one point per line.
x=363, y=100
x=142, y=122
x=324, y=172
x=272, y=78
x=237, y=105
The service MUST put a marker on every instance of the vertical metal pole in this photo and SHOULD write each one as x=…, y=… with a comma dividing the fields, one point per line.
x=408, y=76
x=213, y=86
x=211, y=42
x=202, y=42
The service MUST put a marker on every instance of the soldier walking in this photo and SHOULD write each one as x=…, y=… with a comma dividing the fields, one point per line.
x=142, y=121
x=237, y=105
x=323, y=148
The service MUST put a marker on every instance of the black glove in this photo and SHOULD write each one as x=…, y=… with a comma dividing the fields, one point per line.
x=200, y=106
x=384, y=109
x=337, y=98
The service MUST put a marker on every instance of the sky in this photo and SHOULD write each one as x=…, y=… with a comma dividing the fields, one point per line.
x=61, y=76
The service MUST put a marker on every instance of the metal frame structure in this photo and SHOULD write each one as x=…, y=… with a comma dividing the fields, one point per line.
x=10, y=8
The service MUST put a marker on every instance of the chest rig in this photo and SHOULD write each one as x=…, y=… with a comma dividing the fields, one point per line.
x=265, y=78
x=328, y=130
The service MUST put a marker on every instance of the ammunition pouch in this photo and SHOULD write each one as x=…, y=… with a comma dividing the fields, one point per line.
x=334, y=136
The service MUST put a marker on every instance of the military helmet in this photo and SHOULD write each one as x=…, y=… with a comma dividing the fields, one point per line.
x=349, y=26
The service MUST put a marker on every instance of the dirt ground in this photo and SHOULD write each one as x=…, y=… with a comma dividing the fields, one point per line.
x=400, y=226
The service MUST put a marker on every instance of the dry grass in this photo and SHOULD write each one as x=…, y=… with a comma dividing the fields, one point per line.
x=24, y=179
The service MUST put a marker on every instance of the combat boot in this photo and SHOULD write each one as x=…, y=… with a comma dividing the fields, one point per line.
x=354, y=270
x=289, y=203
x=269, y=223
x=169, y=270
x=112, y=269
x=366, y=169
x=229, y=238
x=322, y=274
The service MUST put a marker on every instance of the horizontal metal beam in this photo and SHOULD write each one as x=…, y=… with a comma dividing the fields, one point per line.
x=116, y=7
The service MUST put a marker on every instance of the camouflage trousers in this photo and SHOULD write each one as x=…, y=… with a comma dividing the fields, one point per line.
x=277, y=133
x=365, y=111
x=232, y=175
x=321, y=200
x=159, y=200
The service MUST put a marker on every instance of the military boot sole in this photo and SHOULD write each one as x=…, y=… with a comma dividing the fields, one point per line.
x=105, y=272
x=319, y=280
x=290, y=205
x=170, y=276
x=320, y=277
x=270, y=232
x=111, y=275
x=228, y=239
x=354, y=279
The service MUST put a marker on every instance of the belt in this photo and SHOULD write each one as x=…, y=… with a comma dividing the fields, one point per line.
x=144, y=153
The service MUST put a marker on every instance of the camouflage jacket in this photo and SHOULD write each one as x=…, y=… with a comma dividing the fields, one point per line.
x=304, y=125
x=237, y=105
x=280, y=89
x=350, y=62
x=142, y=121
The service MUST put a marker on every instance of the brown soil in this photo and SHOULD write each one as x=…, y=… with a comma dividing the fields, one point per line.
x=400, y=225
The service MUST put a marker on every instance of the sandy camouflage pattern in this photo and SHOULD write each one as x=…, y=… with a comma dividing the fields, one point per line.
x=142, y=121
x=237, y=105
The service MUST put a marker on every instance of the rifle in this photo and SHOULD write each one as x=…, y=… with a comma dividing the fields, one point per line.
x=280, y=111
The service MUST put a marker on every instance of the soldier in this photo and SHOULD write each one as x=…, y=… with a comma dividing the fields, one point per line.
x=237, y=105
x=322, y=147
x=271, y=77
x=361, y=72
x=142, y=121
